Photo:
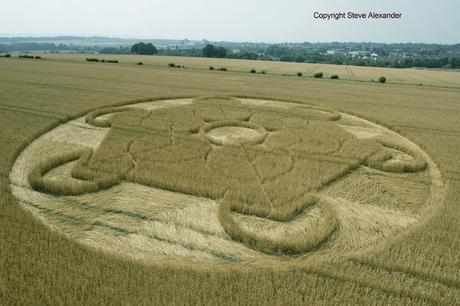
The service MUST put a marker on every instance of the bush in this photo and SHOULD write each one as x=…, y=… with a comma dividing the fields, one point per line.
x=263, y=72
x=211, y=68
x=38, y=57
x=253, y=70
x=7, y=55
x=318, y=75
x=299, y=74
x=140, y=63
x=172, y=65
x=382, y=79
x=25, y=56
x=102, y=60
x=334, y=77
x=222, y=69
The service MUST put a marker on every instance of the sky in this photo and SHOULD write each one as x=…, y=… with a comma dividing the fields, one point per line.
x=431, y=21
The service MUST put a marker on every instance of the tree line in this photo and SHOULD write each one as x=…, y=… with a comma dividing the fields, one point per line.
x=383, y=55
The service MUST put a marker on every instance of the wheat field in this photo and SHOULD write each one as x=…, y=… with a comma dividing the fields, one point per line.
x=420, y=77
x=147, y=185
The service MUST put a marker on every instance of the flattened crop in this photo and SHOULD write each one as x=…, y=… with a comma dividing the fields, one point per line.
x=223, y=179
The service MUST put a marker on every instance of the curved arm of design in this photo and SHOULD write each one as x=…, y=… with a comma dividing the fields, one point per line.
x=386, y=159
x=329, y=113
x=92, y=117
x=299, y=234
x=69, y=186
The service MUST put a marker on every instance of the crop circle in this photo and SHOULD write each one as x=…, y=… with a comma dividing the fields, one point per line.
x=226, y=180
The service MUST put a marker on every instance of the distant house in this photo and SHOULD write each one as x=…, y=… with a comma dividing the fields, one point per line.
x=336, y=52
x=358, y=53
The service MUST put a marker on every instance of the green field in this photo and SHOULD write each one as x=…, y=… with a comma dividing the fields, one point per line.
x=84, y=252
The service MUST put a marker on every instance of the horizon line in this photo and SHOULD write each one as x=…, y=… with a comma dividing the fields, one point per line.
x=129, y=37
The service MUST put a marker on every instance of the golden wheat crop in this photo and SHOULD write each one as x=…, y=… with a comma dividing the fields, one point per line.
x=349, y=73
x=372, y=221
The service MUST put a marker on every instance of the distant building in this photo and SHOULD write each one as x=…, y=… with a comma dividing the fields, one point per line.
x=358, y=53
x=336, y=52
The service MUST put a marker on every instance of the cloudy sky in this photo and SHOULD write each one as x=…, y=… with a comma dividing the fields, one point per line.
x=234, y=20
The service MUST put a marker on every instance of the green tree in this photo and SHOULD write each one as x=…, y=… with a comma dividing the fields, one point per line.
x=144, y=49
x=211, y=51
x=220, y=52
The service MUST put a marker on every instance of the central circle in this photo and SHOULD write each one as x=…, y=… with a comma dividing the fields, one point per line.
x=231, y=133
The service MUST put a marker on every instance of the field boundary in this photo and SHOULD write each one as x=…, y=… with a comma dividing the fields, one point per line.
x=452, y=283
x=344, y=278
x=19, y=109
x=429, y=130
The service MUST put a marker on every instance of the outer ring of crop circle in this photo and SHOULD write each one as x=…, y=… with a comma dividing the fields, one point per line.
x=389, y=241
